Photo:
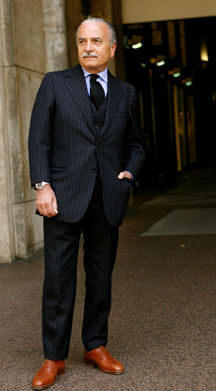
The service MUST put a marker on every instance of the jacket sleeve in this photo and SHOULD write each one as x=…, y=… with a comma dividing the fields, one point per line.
x=39, y=141
x=133, y=151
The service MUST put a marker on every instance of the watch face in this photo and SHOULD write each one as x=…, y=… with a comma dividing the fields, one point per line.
x=38, y=186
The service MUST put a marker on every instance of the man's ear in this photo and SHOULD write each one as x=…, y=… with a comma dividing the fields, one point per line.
x=113, y=49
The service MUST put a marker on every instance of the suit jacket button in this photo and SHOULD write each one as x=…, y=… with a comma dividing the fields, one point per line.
x=94, y=170
x=98, y=146
x=96, y=126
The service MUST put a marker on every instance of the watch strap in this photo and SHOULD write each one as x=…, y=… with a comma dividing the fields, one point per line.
x=40, y=185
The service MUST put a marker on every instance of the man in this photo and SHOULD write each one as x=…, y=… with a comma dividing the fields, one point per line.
x=84, y=150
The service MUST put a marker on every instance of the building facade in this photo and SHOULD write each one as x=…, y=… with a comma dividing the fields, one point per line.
x=37, y=37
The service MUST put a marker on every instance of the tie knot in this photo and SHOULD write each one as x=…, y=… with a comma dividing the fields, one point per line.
x=94, y=76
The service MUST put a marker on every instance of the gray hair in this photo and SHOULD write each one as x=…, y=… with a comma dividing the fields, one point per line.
x=112, y=33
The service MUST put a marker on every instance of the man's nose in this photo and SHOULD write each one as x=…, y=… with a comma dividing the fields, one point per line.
x=88, y=47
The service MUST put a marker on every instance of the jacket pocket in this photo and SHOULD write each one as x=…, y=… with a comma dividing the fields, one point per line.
x=59, y=169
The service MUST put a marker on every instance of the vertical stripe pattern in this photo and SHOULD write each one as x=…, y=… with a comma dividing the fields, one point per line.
x=81, y=152
x=61, y=248
x=66, y=150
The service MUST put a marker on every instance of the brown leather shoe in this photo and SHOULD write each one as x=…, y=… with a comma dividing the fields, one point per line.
x=47, y=374
x=101, y=359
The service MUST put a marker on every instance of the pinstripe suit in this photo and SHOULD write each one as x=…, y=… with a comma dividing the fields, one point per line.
x=82, y=164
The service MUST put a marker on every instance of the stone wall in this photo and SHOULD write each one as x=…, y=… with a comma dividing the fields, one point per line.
x=6, y=225
x=32, y=42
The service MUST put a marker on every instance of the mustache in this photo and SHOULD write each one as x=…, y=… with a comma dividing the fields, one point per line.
x=89, y=55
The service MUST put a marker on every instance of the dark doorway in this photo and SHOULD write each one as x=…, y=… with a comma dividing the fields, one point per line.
x=172, y=64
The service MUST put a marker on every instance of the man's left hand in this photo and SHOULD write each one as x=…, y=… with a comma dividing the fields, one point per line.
x=125, y=174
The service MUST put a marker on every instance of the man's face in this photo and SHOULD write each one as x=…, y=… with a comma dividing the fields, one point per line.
x=94, y=50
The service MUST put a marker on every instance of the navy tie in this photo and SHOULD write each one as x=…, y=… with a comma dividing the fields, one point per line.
x=96, y=91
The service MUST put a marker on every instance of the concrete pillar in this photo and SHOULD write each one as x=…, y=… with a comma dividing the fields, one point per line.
x=22, y=69
x=32, y=42
x=110, y=10
x=54, y=28
x=117, y=23
x=73, y=11
x=7, y=240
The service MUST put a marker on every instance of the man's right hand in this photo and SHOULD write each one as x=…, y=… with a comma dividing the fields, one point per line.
x=46, y=201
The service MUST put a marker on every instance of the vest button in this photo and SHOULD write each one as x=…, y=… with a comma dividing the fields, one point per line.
x=94, y=170
x=98, y=146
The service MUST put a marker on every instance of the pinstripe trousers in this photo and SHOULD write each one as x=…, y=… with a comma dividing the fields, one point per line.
x=61, y=241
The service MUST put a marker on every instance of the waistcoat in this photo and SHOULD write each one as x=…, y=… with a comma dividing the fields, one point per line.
x=98, y=117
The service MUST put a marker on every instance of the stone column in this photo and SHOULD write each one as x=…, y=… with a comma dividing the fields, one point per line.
x=7, y=239
x=73, y=11
x=54, y=27
x=32, y=41
x=22, y=69
x=110, y=10
x=117, y=23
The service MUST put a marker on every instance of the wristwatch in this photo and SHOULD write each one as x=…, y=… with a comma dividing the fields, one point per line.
x=40, y=185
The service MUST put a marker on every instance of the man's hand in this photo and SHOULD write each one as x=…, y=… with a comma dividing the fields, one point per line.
x=46, y=202
x=125, y=174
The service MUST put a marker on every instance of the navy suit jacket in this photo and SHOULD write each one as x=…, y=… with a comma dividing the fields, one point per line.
x=65, y=150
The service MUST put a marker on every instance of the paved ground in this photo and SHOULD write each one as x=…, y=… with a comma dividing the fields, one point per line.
x=163, y=319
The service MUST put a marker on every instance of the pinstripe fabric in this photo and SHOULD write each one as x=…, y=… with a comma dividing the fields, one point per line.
x=64, y=147
x=61, y=242
x=81, y=152
x=61, y=247
x=100, y=246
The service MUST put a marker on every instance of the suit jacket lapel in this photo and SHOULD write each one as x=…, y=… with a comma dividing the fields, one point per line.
x=115, y=95
x=75, y=82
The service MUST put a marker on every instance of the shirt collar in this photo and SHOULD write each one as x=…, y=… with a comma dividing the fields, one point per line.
x=103, y=74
